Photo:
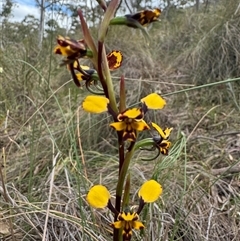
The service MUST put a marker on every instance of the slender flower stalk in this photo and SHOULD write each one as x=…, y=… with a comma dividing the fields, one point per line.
x=127, y=122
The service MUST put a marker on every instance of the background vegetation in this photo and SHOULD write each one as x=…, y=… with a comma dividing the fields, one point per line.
x=52, y=152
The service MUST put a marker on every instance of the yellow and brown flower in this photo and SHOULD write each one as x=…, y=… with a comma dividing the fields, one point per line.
x=137, y=20
x=70, y=48
x=161, y=138
x=130, y=121
x=145, y=17
x=99, y=197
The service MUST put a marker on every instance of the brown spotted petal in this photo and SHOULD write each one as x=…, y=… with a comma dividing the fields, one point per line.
x=114, y=59
x=146, y=16
x=70, y=48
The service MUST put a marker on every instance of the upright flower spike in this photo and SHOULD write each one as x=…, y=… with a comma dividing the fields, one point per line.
x=99, y=197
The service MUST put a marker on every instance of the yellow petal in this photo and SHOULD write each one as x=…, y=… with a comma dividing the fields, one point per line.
x=154, y=101
x=138, y=225
x=84, y=67
x=140, y=125
x=150, y=191
x=167, y=132
x=119, y=126
x=80, y=76
x=128, y=216
x=95, y=104
x=64, y=51
x=117, y=224
x=98, y=196
x=159, y=130
x=164, y=134
x=132, y=113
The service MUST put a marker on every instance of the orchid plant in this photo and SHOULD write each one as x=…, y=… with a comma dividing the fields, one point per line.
x=127, y=122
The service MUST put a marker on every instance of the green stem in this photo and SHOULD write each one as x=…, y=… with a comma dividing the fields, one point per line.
x=100, y=71
x=122, y=95
x=125, y=199
x=123, y=173
x=116, y=233
x=106, y=71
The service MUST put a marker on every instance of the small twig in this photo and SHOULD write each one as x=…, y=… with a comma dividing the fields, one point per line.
x=204, y=137
x=209, y=224
x=237, y=9
x=227, y=170
x=200, y=122
x=6, y=196
x=228, y=133
x=50, y=194
x=80, y=143
x=19, y=210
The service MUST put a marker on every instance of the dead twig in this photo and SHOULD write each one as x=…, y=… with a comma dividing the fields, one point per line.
x=226, y=170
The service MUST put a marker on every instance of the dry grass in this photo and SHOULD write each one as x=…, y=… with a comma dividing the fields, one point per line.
x=47, y=169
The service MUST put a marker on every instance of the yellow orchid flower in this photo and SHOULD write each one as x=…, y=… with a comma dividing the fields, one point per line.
x=99, y=197
x=130, y=121
x=145, y=17
x=70, y=48
x=137, y=20
x=127, y=221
